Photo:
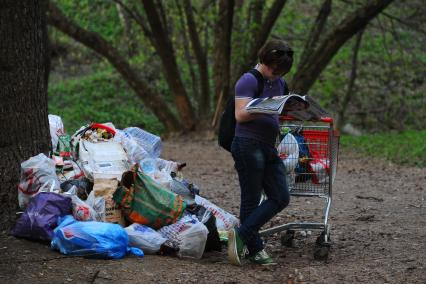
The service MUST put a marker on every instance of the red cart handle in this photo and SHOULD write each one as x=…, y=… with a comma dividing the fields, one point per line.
x=322, y=119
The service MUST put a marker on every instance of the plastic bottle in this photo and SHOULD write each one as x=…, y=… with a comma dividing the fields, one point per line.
x=150, y=142
x=135, y=152
x=148, y=165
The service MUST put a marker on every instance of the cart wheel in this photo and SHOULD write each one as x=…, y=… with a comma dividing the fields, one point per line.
x=287, y=239
x=322, y=248
x=321, y=239
x=321, y=252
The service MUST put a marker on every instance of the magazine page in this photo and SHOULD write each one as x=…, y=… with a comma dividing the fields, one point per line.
x=275, y=105
x=314, y=112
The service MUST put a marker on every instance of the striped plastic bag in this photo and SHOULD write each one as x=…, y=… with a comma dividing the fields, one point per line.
x=144, y=201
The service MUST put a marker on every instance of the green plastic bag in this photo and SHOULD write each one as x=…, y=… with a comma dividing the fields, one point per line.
x=144, y=201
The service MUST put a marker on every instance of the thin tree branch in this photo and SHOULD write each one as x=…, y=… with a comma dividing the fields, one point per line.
x=307, y=75
x=405, y=23
x=136, y=17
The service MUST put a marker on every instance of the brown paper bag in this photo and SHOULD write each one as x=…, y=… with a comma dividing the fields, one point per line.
x=105, y=188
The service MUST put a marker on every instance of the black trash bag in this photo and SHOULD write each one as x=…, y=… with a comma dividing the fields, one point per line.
x=83, y=184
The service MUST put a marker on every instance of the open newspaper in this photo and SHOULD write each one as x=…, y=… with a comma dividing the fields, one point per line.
x=276, y=105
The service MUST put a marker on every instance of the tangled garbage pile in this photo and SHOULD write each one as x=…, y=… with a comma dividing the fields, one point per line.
x=106, y=192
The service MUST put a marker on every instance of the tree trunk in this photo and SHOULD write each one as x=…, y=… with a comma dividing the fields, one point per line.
x=306, y=76
x=23, y=110
x=316, y=31
x=164, y=47
x=222, y=55
x=94, y=41
x=200, y=56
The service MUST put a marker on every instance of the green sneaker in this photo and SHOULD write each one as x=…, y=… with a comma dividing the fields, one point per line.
x=235, y=247
x=262, y=258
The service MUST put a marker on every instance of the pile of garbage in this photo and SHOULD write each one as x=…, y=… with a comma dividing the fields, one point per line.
x=104, y=192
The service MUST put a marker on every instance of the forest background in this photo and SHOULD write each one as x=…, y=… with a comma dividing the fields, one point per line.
x=373, y=84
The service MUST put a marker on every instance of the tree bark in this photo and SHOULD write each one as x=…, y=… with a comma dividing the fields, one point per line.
x=222, y=55
x=316, y=31
x=164, y=47
x=305, y=76
x=94, y=41
x=262, y=35
x=23, y=109
x=195, y=81
x=200, y=56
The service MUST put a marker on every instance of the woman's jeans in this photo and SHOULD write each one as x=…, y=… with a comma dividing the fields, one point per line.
x=259, y=168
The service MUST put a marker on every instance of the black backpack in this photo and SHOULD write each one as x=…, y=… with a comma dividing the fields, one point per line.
x=227, y=120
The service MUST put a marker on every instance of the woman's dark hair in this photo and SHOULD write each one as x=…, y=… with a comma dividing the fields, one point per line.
x=276, y=54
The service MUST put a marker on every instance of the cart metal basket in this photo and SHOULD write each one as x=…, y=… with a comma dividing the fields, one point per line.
x=310, y=173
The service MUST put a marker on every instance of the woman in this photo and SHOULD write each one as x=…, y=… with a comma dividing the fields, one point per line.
x=256, y=159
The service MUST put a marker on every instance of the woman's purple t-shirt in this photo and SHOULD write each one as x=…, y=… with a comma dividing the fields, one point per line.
x=265, y=127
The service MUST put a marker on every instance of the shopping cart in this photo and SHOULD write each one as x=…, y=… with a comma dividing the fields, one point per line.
x=310, y=173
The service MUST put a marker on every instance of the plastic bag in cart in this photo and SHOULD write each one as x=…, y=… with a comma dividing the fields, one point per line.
x=320, y=170
x=288, y=149
x=92, y=239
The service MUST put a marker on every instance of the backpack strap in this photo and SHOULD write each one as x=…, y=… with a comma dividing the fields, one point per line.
x=260, y=81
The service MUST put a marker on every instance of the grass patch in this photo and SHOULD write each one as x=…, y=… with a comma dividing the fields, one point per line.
x=405, y=148
x=99, y=97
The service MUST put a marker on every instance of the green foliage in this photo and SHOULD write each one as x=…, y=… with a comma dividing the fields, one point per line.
x=406, y=148
x=95, y=15
x=100, y=97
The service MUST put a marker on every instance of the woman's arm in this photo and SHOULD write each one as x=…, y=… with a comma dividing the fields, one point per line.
x=241, y=115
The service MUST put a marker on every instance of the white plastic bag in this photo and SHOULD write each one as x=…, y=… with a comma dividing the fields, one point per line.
x=81, y=210
x=167, y=166
x=320, y=169
x=145, y=238
x=98, y=204
x=289, y=152
x=38, y=174
x=224, y=220
x=189, y=235
x=56, y=128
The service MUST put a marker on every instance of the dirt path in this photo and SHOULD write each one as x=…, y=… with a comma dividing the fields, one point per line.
x=378, y=232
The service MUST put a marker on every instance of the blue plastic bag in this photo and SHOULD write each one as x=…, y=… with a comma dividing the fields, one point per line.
x=92, y=239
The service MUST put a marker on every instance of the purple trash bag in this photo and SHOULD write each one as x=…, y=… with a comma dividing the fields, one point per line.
x=41, y=215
